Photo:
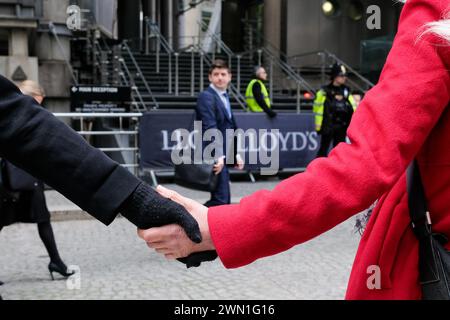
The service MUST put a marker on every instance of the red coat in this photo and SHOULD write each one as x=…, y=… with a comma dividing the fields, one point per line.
x=403, y=117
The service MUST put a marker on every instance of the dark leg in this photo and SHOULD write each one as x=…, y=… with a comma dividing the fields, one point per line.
x=325, y=140
x=339, y=136
x=221, y=195
x=47, y=237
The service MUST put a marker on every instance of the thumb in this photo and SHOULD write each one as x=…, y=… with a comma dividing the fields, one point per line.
x=176, y=197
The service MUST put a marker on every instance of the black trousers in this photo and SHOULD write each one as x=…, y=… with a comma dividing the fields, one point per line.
x=335, y=136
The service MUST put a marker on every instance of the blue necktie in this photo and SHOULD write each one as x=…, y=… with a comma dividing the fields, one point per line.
x=227, y=104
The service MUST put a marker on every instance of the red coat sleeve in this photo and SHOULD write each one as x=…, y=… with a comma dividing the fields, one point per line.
x=386, y=133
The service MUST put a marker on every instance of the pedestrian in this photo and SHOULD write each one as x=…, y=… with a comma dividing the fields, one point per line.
x=406, y=116
x=32, y=206
x=214, y=111
x=34, y=140
x=333, y=109
x=257, y=96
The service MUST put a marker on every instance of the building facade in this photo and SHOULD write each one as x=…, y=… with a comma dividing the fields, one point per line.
x=35, y=42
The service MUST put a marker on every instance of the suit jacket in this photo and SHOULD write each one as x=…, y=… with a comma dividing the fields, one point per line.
x=405, y=116
x=34, y=140
x=213, y=114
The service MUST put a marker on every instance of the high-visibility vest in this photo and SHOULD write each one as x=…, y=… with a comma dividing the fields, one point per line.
x=319, y=106
x=250, y=99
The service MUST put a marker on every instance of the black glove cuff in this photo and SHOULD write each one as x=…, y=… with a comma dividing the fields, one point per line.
x=196, y=259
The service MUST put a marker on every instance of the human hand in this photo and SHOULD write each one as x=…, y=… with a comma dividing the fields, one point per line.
x=147, y=209
x=239, y=162
x=218, y=167
x=171, y=240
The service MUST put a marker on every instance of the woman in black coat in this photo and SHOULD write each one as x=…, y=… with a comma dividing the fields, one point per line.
x=31, y=206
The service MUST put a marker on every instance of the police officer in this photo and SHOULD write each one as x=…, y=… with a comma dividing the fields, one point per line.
x=333, y=109
x=257, y=95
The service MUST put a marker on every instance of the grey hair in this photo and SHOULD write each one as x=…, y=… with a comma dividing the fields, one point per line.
x=257, y=69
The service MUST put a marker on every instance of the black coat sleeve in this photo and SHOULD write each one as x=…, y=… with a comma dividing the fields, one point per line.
x=34, y=140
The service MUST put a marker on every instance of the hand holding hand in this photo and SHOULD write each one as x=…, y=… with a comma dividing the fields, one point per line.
x=172, y=241
x=147, y=209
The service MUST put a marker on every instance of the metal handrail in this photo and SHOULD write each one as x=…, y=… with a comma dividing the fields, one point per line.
x=305, y=54
x=154, y=28
x=300, y=81
x=219, y=42
x=288, y=70
x=97, y=115
x=270, y=46
x=193, y=40
x=361, y=77
x=52, y=29
x=141, y=75
x=133, y=146
x=131, y=83
x=275, y=51
x=328, y=54
x=98, y=61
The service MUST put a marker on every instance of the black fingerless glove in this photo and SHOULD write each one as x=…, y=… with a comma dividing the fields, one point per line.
x=146, y=209
x=195, y=259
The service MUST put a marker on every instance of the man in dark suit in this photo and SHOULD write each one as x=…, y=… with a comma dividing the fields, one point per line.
x=36, y=141
x=214, y=111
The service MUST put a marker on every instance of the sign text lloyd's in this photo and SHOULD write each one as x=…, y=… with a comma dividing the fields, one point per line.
x=297, y=139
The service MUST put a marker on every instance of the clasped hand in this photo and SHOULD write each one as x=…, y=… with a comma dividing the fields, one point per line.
x=172, y=241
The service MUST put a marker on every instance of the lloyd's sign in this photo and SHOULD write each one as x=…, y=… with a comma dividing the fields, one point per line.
x=287, y=141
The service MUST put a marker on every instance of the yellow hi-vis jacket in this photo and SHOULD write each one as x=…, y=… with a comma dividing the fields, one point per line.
x=319, y=107
x=250, y=99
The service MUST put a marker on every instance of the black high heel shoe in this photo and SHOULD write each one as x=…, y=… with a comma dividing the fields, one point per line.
x=60, y=268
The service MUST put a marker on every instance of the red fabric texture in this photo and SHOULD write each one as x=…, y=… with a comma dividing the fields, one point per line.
x=403, y=117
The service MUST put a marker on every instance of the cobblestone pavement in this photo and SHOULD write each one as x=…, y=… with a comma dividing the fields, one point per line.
x=115, y=264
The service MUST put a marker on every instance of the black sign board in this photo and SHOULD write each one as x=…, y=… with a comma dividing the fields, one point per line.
x=100, y=99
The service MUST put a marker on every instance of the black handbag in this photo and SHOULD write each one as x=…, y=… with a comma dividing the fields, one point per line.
x=16, y=179
x=434, y=259
x=9, y=201
x=196, y=176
